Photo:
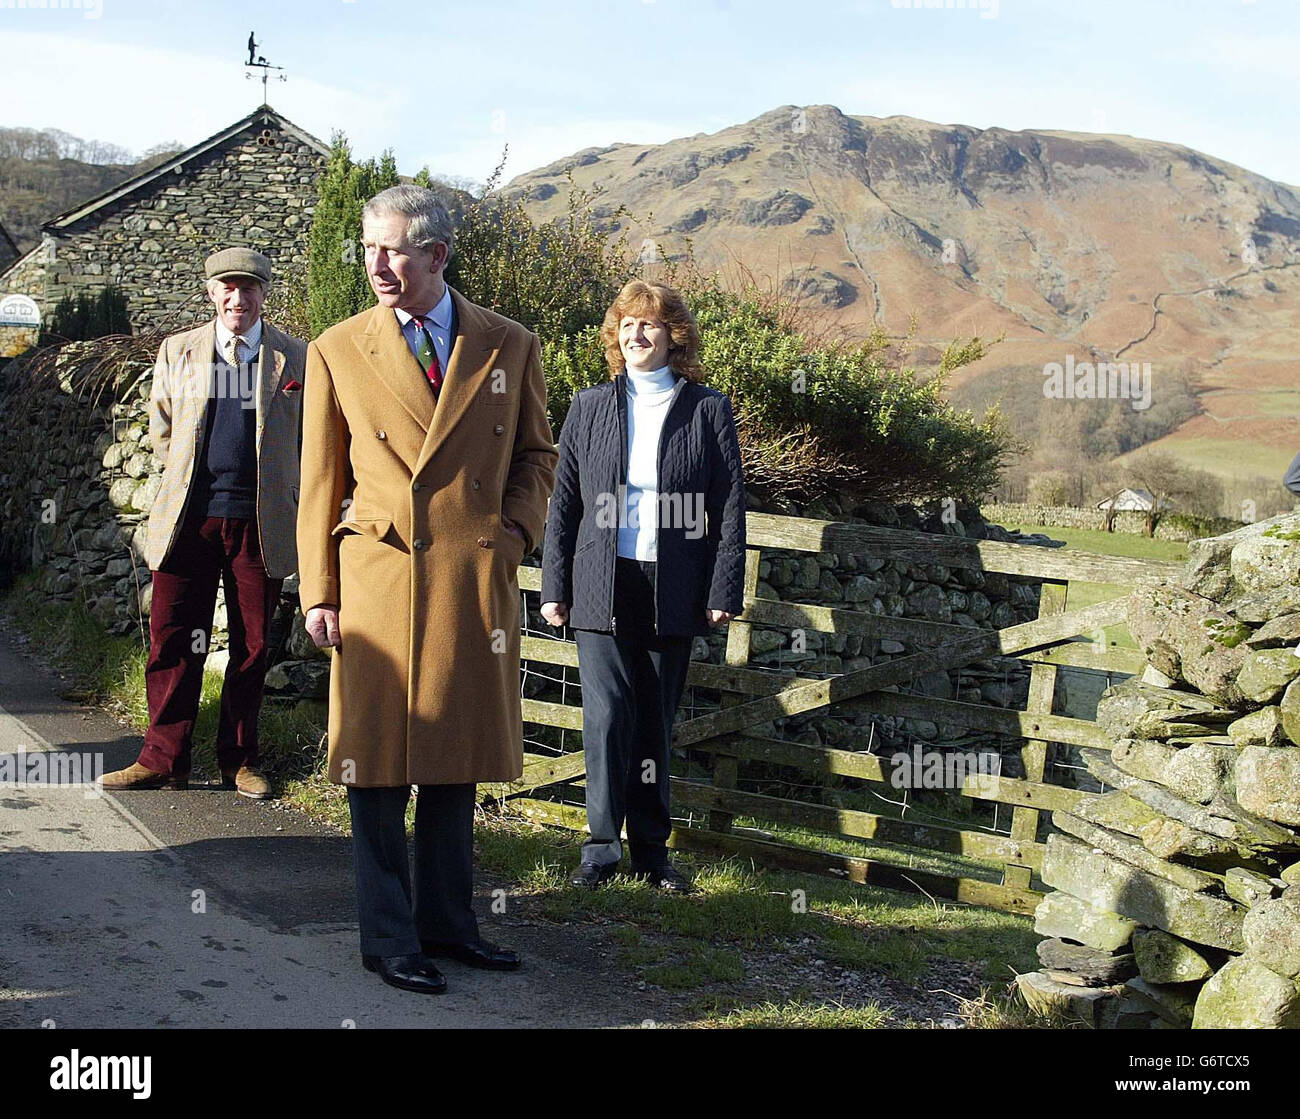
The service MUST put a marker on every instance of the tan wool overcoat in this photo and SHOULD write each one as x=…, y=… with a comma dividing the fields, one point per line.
x=400, y=527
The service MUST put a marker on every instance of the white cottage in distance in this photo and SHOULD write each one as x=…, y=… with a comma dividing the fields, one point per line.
x=1133, y=501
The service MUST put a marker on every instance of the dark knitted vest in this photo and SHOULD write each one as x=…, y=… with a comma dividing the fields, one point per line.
x=226, y=478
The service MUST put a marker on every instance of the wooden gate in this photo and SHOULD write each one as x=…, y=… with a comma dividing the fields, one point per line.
x=991, y=866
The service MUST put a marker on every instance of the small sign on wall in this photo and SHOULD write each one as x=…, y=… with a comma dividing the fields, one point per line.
x=20, y=324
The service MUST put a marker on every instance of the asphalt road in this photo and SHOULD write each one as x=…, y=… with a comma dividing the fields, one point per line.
x=204, y=909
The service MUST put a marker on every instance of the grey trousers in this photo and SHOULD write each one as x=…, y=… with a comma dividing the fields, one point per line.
x=394, y=917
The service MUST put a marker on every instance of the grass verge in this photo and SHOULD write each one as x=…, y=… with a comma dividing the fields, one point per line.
x=744, y=920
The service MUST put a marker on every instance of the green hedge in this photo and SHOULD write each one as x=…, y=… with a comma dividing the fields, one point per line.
x=87, y=315
x=817, y=420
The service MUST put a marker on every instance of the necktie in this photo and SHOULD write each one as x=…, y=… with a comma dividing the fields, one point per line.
x=427, y=356
x=232, y=349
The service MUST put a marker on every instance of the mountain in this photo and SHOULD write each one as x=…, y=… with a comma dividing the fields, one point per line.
x=1070, y=245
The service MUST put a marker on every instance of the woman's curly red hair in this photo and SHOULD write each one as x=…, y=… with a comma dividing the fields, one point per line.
x=654, y=301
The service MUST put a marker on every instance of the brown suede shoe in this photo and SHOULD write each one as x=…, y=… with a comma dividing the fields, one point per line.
x=248, y=781
x=136, y=776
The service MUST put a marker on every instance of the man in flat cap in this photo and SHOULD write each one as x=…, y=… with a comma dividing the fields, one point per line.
x=225, y=417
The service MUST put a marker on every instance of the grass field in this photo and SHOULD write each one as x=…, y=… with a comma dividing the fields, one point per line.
x=1261, y=404
x=1132, y=545
x=1226, y=458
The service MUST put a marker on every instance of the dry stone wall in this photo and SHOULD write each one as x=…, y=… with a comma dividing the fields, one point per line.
x=877, y=584
x=1177, y=892
x=1169, y=527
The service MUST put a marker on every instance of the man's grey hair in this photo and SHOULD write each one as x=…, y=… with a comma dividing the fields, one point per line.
x=427, y=220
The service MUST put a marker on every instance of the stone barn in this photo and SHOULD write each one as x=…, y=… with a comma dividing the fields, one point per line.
x=252, y=184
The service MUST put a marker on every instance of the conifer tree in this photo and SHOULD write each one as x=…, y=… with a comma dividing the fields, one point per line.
x=336, y=278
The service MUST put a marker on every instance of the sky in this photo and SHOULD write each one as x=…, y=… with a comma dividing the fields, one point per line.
x=449, y=83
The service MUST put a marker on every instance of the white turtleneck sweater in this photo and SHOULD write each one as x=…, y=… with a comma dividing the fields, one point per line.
x=648, y=396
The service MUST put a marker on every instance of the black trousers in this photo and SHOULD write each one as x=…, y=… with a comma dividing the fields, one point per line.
x=632, y=681
x=394, y=917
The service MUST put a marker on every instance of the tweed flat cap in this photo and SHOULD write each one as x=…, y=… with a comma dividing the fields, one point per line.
x=225, y=263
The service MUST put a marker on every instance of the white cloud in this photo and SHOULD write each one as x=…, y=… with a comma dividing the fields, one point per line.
x=137, y=97
x=1260, y=56
x=79, y=80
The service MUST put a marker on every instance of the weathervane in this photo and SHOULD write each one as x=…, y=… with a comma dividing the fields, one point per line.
x=258, y=62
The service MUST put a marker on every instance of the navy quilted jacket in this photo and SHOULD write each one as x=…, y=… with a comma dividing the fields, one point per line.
x=699, y=458
x=1292, y=477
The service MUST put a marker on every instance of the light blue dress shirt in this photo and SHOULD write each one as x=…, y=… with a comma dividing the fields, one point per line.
x=438, y=323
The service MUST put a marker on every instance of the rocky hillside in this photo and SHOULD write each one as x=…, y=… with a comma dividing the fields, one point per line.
x=1100, y=247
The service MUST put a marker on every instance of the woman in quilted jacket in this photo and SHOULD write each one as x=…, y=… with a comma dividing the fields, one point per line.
x=644, y=550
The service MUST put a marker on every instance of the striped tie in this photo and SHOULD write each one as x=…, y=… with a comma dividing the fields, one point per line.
x=427, y=356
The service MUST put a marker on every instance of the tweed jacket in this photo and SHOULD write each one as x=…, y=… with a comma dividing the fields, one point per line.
x=183, y=382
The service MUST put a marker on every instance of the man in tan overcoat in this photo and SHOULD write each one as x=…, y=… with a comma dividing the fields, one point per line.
x=225, y=417
x=427, y=464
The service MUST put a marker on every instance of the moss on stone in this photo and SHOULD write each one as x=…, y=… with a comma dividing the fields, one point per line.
x=1224, y=633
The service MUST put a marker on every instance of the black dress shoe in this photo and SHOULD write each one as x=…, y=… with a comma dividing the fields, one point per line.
x=592, y=875
x=481, y=954
x=407, y=973
x=667, y=878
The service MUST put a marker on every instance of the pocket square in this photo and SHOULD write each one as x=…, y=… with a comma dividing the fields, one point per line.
x=292, y=386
